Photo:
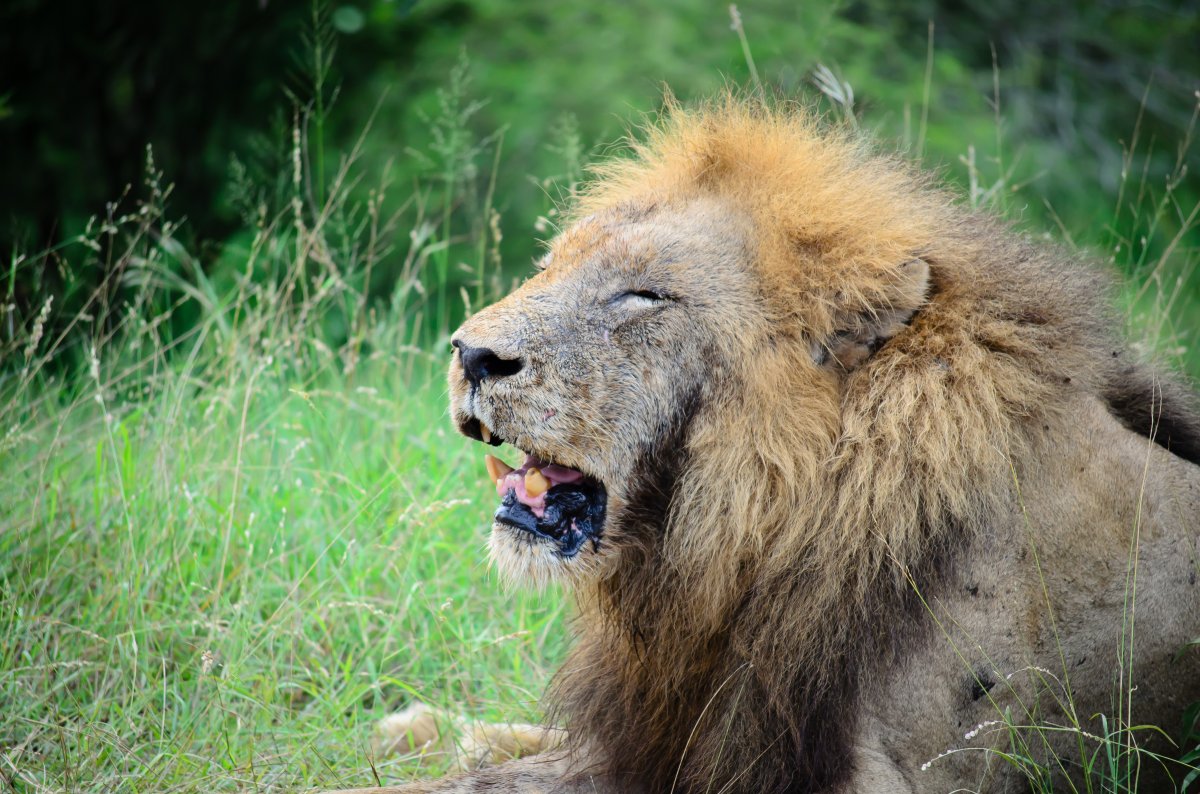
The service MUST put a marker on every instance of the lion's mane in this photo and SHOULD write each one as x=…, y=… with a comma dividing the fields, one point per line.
x=746, y=615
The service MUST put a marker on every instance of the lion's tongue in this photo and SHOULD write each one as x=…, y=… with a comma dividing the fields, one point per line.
x=534, y=475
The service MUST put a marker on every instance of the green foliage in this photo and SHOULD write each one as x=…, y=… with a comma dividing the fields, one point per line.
x=1191, y=743
x=231, y=544
x=1047, y=103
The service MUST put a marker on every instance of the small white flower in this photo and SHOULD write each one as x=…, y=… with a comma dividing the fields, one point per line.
x=971, y=734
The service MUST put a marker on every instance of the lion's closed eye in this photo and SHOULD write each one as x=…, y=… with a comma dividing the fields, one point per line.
x=639, y=298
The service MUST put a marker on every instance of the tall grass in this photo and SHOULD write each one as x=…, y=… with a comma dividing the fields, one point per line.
x=229, y=544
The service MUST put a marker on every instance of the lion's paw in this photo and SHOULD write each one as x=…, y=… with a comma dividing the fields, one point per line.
x=471, y=743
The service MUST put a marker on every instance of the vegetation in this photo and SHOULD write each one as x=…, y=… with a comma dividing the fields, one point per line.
x=235, y=527
x=1058, y=111
x=228, y=550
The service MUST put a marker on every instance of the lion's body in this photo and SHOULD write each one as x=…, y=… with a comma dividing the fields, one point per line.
x=1016, y=630
x=879, y=473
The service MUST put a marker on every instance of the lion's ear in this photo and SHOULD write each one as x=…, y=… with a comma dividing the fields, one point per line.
x=860, y=335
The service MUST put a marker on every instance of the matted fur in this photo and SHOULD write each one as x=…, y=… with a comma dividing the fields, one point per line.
x=797, y=514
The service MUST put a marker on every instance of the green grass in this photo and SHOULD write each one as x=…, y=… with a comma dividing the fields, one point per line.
x=229, y=544
x=216, y=579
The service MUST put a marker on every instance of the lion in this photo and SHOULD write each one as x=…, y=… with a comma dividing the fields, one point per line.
x=852, y=483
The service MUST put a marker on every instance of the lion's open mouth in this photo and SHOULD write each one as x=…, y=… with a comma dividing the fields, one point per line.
x=550, y=502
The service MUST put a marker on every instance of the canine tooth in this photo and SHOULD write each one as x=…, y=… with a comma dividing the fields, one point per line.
x=485, y=433
x=535, y=483
x=496, y=468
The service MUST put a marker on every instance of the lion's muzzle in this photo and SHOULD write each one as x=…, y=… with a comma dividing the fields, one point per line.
x=543, y=503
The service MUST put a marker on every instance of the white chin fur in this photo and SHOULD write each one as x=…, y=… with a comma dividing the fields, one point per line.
x=525, y=560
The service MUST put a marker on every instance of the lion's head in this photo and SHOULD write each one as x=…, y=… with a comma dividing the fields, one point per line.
x=595, y=366
x=712, y=293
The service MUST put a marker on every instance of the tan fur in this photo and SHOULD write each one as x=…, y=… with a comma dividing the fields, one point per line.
x=876, y=452
x=469, y=743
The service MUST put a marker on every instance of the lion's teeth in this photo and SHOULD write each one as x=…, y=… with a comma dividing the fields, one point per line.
x=535, y=483
x=485, y=433
x=496, y=468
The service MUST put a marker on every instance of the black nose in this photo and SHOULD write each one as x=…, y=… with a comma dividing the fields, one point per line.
x=481, y=362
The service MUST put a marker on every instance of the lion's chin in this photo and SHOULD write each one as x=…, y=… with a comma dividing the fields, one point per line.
x=525, y=558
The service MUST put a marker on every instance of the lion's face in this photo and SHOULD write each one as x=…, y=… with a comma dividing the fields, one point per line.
x=594, y=368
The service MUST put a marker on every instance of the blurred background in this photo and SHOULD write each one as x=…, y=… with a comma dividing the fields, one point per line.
x=1059, y=116
x=236, y=528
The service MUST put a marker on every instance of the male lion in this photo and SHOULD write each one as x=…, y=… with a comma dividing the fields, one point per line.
x=844, y=476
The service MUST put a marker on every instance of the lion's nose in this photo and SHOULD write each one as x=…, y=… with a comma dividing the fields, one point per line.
x=479, y=363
